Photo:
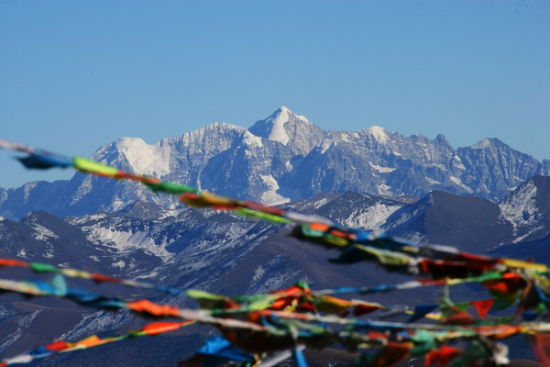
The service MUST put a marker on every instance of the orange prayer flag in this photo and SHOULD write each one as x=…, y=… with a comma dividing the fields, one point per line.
x=90, y=341
x=155, y=328
x=154, y=308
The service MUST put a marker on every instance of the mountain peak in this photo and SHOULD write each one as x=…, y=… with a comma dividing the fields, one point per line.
x=275, y=127
x=283, y=109
x=488, y=142
x=284, y=114
x=378, y=133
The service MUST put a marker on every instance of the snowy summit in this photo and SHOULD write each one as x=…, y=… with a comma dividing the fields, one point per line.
x=273, y=127
x=378, y=133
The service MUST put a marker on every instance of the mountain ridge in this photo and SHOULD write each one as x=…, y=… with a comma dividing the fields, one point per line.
x=283, y=158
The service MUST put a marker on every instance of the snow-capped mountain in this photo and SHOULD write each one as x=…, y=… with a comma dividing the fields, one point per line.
x=282, y=158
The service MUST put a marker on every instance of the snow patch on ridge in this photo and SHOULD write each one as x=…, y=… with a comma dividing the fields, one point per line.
x=372, y=218
x=252, y=140
x=123, y=241
x=457, y=181
x=325, y=145
x=382, y=169
x=431, y=181
x=320, y=203
x=144, y=158
x=84, y=188
x=270, y=197
x=42, y=233
x=482, y=144
x=378, y=133
x=278, y=121
x=95, y=323
x=521, y=208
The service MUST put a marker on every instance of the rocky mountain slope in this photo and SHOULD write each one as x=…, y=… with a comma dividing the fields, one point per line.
x=226, y=254
x=476, y=224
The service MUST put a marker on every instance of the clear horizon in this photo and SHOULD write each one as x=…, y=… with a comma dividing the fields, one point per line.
x=77, y=74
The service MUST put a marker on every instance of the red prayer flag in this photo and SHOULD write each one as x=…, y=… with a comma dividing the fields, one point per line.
x=443, y=356
x=483, y=306
x=58, y=345
x=392, y=354
x=105, y=278
x=459, y=318
x=12, y=262
x=541, y=345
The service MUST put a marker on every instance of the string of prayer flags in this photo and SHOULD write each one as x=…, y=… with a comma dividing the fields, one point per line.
x=39, y=267
x=62, y=346
x=58, y=288
x=297, y=298
x=277, y=331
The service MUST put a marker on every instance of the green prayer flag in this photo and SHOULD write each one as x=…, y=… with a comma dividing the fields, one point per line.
x=503, y=300
x=463, y=306
x=245, y=212
x=424, y=341
x=170, y=188
x=83, y=164
x=198, y=294
x=385, y=257
x=309, y=232
x=366, y=359
x=207, y=300
x=43, y=268
x=473, y=353
x=261, y=304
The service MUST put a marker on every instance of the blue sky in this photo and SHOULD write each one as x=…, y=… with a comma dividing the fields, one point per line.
x=77, y=74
